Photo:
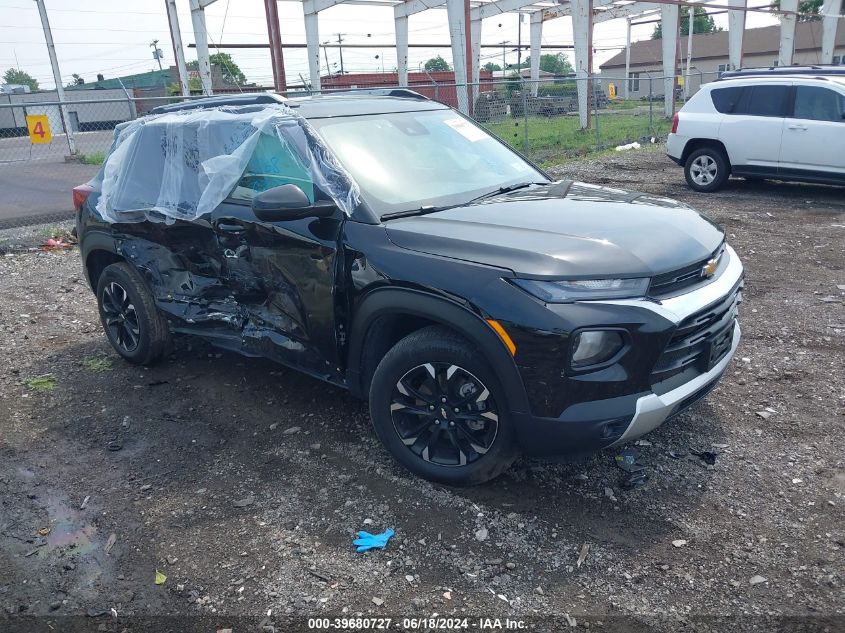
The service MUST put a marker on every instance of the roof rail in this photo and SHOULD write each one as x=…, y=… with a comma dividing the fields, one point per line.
x=402, y=93
x=249, y=98
x=774, y=71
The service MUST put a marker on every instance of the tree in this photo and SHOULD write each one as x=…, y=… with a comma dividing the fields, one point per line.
x=702, y=23
x=555, y=64
x=813, y=7
x=491, y=67
x=76, y=80
x=232, y=74
x=436, y=64
x=20, y=77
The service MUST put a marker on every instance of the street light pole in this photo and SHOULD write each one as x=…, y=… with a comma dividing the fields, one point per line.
x=57, y=76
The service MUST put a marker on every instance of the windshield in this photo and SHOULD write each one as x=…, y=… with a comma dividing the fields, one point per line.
x=407, y=160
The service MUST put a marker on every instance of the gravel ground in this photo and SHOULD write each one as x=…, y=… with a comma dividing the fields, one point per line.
x=244, y=483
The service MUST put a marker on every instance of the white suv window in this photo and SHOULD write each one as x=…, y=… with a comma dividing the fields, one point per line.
x=819, y=104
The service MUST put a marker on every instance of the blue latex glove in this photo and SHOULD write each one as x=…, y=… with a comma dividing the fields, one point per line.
x=367, y=541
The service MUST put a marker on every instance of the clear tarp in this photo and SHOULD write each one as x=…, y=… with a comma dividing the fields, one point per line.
x=182, y=165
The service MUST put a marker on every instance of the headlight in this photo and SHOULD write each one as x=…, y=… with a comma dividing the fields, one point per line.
x=594, y=347
x=583, y=289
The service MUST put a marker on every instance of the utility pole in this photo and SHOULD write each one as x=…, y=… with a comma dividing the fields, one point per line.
x=274, y=34
x=157, y=54
x=519, y=46
x=57, y=76
x=628, y=59
x=504, y=53
x=340, y=51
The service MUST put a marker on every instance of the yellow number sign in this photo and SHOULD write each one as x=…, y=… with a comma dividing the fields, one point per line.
x=39, y=128
x=611, y=91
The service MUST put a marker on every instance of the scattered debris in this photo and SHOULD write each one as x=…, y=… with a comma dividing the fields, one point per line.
x=643, y=443
x=628, y=460
x=367, y=541
x=608, y=492
x=378, y=601
x=59, y=241
x=678, y=454
x=582, y=555
x=114, y=446
x=756, y=580
x=764, y=414
x=274, y=426
x=45, y=531
x=84, y=503
x=481, y=534
x=572, y=622
x=160, y=578
x=447, y=595
x=292, y=430
x=706, y=456
x=246, y=501
x=146, y=487
x=623, y=148
x=634, y=480
x=679, y=542
x=110, y=542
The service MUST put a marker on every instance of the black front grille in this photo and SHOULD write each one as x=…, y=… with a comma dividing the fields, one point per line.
x=699, y=341
x=684, y=278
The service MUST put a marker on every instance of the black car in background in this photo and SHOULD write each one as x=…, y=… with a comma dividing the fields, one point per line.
x=482, y=309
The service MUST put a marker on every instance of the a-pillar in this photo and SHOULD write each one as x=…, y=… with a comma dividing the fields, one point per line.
x=736, y=29
x=455, y=10
x=831, y=11
x=787, y=32
x=582, y=31
x=669, y=23
x=536, y=39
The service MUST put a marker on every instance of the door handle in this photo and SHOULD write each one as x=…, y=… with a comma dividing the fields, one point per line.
x=797, y=127
x=230, y=228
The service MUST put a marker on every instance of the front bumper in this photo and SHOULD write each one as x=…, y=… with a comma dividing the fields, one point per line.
x=608, y=419
x=653, y=410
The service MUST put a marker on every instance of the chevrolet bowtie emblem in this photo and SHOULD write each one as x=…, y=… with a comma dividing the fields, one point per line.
x=709, y=269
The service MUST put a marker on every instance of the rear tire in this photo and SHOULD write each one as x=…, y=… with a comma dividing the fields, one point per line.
x=707, y=169
x=132, y=323
x=440, y=411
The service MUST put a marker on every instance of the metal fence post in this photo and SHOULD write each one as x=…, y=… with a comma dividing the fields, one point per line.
x=595, y=102
x=650, y=109
x=524, y=113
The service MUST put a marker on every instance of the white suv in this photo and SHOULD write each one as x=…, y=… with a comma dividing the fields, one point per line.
x=786, y=125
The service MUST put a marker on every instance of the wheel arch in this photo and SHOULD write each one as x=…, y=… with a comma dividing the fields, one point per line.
x=387, y=315
x=700, y=143
x=96, y=261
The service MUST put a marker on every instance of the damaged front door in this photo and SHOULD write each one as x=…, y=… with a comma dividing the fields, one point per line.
x=282, y=273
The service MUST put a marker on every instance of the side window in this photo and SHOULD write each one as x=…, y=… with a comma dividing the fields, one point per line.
x=272, y=165
x=635, y=81
x=725, y=100
x=768, y=101
x=819, y=104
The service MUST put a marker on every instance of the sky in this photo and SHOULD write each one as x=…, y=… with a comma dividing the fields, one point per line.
x=113, y=37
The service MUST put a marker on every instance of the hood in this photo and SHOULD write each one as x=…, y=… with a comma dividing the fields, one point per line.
x=566, y=229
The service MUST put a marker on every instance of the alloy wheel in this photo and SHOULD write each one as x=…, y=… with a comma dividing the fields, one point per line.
x=444, y=414
x=703, y=170
x=120, y=317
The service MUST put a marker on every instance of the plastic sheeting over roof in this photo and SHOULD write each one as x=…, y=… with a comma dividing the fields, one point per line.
x=182, y=165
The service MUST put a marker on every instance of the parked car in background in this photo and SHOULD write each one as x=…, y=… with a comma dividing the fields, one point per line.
x=783, y=124
x=389, y=246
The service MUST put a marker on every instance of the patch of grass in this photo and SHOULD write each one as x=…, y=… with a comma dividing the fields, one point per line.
x=95, y=158
x=563, y=135
x=45, y=382
x=98, y=363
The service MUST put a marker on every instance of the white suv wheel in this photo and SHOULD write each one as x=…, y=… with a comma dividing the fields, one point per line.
x=704, y=170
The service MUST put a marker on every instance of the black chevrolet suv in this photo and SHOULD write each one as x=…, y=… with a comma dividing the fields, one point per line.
x=401, y=252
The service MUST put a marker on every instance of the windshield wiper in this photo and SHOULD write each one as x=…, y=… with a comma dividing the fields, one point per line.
x=505, y=189
x=412, y=212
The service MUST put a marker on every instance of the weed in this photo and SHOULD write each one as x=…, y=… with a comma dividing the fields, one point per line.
x=45, y=382
x=98, y=363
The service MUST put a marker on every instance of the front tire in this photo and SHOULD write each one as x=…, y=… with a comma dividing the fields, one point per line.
x=134, y=326
x=440, y=411
x=707, y=169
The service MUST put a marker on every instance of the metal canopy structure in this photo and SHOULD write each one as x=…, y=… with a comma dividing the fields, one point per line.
x=465, y=18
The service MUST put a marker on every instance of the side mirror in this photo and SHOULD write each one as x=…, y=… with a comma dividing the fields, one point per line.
x=288, y=202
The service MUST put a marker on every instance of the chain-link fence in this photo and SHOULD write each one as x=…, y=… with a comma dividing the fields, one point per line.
x=48, y=147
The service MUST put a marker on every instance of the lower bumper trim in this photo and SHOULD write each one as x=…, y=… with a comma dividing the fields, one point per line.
x=652, y=410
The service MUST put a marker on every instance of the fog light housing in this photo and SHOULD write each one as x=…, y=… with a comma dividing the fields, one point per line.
x=594, y=347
